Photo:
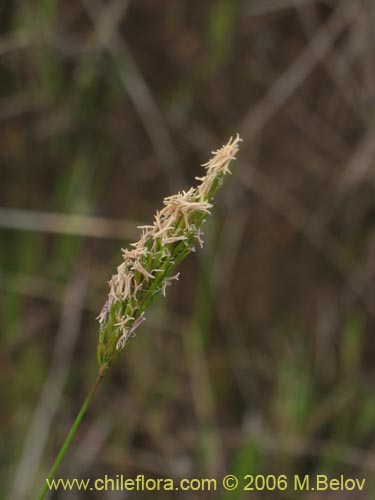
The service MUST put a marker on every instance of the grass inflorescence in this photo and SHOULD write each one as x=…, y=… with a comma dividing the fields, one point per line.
x=148, y=266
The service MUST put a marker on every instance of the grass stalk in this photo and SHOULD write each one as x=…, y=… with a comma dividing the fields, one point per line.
x=71, y=434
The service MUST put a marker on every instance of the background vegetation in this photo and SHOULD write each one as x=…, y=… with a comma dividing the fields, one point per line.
x=261, y=359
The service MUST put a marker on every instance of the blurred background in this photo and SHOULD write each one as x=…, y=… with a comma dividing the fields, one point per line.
x=261, y=358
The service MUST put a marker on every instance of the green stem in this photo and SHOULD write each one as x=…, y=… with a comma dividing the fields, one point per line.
x=70, y=436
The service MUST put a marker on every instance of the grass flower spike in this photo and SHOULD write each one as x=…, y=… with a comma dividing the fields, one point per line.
x=147, y=268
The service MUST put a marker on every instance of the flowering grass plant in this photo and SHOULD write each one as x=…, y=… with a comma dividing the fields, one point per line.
x=148, y=268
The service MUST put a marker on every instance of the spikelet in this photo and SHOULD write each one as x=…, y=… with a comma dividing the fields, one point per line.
x=147, y=267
